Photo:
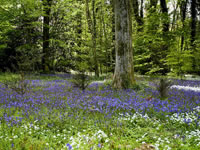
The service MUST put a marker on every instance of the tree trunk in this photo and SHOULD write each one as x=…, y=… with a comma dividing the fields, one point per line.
x=45, y=57
x=165, y=15
x=153, y=5
x=141, y=10
x=193, y=23
x=92, y=30
x=193, y=31
x=165, y=31
x=79, y=25
x=183, y=16
x=138, y=18
x=175, y=16
x=103, y=33
x=124, y=73
x=112, y=53
x=94, y=37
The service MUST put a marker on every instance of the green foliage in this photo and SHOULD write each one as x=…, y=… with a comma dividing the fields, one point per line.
x=179, y=61
x=21, y=38
x=151, y=46
x=81, y=80
x=140, y=86
x=20, y=35
x=196, y=56
x=108, y=83
x=142, y=55
x=179, y=57
x=17, y=83
x=155, y=52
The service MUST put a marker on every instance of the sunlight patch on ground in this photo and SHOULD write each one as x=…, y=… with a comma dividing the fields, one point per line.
x=196, y=89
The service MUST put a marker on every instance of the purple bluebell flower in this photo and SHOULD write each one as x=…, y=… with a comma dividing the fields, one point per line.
x=69, y=146
x=99, y=145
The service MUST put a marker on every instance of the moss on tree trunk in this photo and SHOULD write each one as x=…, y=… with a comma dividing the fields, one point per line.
x=124, y=72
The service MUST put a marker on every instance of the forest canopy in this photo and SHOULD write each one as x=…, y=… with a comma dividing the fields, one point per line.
x=60, y=35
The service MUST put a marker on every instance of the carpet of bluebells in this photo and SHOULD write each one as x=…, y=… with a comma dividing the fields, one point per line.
x=52, y=114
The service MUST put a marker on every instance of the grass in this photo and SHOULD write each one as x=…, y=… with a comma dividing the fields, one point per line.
x=53, y=115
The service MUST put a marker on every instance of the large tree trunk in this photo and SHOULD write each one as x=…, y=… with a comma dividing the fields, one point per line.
x=45, y=57
x=124, y=73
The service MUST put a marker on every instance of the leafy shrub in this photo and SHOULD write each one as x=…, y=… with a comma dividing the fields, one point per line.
x=81, y=80
x=17, y=84
x=139, y=86
x=136, y=87
x=108, y=83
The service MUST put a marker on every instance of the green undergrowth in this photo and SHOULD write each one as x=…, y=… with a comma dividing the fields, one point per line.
x=16, y=76
x=120, y=133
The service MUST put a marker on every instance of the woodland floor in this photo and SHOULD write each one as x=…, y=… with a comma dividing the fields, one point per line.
x=52, y=114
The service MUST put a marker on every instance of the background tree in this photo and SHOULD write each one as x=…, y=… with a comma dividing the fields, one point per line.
x=138, y=14
x=46, y=34
x=22, y=36
x=92, y=29
x=56, y=36
x=193, y=31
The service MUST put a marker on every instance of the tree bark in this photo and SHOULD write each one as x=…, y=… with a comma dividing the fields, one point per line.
x=92, y=30
x=153, y=5
x=164, y=10
x=165, y=32
x=112, y=53
x=193, y=31
x=141, y=10
x=45, y=57
x=183, y=16
x=138, y=18
x=193, y=22
x=103, y=32
x=175, y=16
x=124, y=72
x=79, y=25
